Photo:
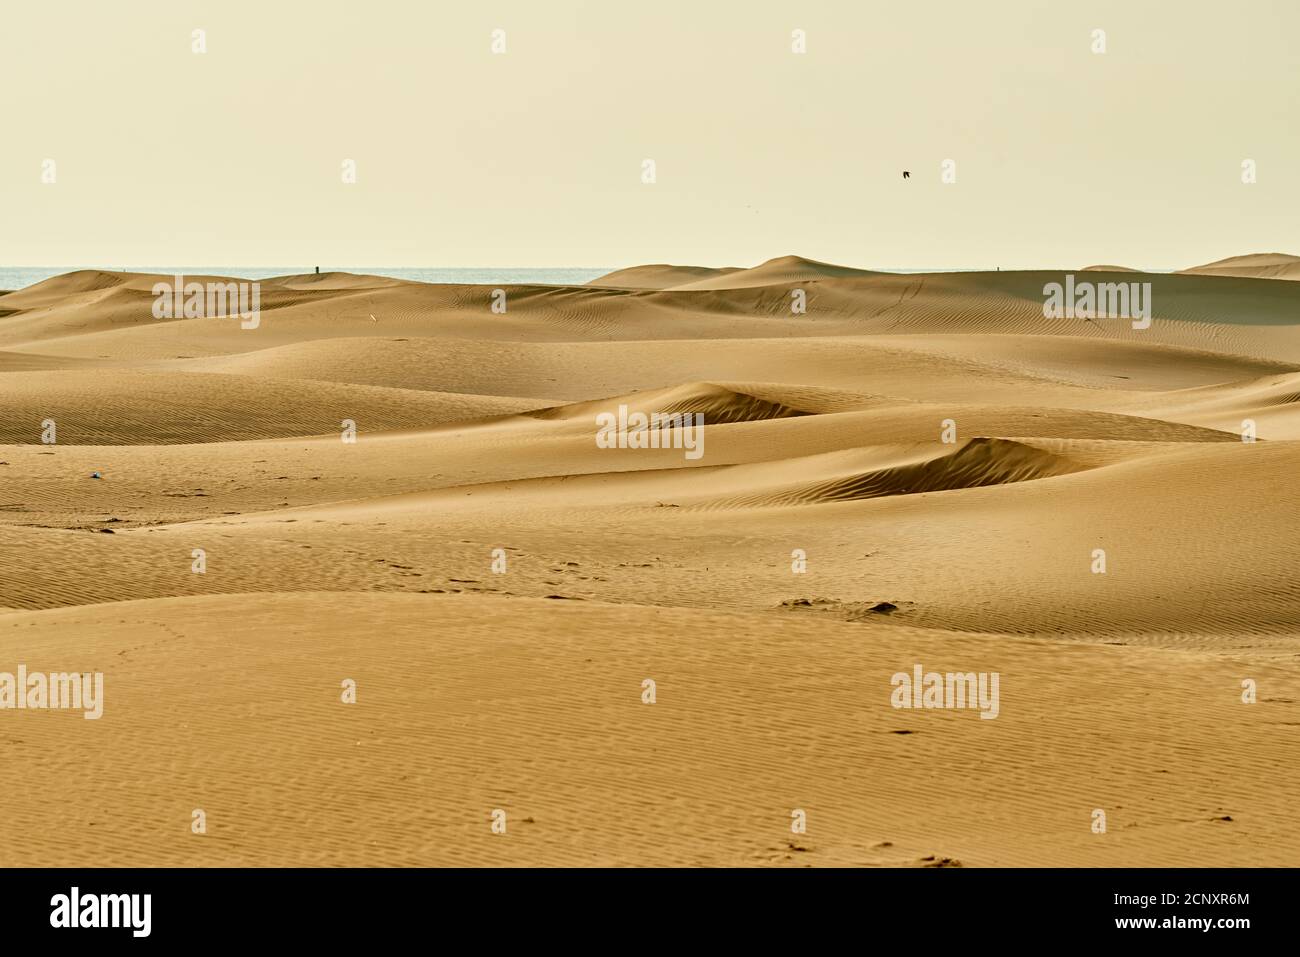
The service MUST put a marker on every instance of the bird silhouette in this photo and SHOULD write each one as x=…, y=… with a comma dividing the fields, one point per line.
x=906, y=175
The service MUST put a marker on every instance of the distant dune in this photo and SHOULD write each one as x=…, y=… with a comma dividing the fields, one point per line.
x=659, y=276
x=1253, y=266
x=796, y=268
x=781, y=269
x=919, y=469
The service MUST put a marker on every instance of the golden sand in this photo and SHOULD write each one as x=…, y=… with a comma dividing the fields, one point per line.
x=327, y=562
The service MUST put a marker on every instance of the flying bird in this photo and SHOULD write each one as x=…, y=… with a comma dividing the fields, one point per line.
x=906, y=175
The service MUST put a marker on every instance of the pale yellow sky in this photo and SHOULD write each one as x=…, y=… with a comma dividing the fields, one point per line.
x=534, y=157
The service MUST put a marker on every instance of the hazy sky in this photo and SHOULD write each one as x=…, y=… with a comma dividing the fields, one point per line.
x=534, y=157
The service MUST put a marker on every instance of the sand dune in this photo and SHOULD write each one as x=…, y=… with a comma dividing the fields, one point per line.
x=1253, y=266
x=659, y=276
x=783, y=269
x=946, y=463
x=975, y=464
x=114, y=407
